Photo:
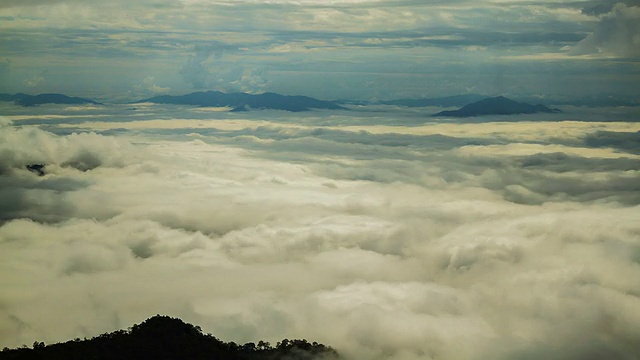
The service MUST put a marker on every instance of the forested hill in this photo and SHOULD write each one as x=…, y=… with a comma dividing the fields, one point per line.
x=165, y=338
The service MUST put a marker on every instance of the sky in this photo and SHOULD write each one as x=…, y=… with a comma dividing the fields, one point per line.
x=357, y=49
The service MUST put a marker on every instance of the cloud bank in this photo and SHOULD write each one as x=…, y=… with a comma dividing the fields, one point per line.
x=400, y=242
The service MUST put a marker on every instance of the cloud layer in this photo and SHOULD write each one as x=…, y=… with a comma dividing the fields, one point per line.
x=458, y=241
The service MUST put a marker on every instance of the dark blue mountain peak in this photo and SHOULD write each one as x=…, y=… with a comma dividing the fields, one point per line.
x=47, y=98
x=498, y=105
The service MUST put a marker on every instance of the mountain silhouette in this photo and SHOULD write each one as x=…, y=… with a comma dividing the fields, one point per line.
x=32, y=100
x=246, y=102
x=167, y=338
x=497, y=106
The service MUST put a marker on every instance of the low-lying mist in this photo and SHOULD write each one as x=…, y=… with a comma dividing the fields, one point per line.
x=495, y=240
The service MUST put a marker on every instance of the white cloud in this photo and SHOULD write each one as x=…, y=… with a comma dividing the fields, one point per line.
x=35, y=81
x=149, y=86
x=380, y=245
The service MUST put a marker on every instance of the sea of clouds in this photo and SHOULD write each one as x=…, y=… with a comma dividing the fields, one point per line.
x=385, y=234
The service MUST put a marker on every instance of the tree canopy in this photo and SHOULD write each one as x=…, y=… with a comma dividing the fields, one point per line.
x=164, y=338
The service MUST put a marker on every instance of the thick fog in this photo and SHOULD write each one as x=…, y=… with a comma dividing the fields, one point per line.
x=384, y=236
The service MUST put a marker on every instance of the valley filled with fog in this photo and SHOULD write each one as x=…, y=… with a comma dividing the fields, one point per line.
x=379, y=231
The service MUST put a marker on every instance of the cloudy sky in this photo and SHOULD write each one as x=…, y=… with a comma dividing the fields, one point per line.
x=360, y=49
x=381, y=231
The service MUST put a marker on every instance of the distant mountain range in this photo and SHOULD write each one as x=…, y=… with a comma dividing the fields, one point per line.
x=245, y=102
x=471, y=104
x=497, y=106
x=462, y=100
x=32, y=100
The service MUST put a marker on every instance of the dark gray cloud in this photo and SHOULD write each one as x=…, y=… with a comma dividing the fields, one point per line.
x=625, y=141
x=26, y=197
x=603, y=7
x=616, y=34
x=50, y=196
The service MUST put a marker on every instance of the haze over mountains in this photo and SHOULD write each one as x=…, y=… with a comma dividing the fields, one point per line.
x=49, y=98
x=245, y=102
x=470, y=104
x=447, y=101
